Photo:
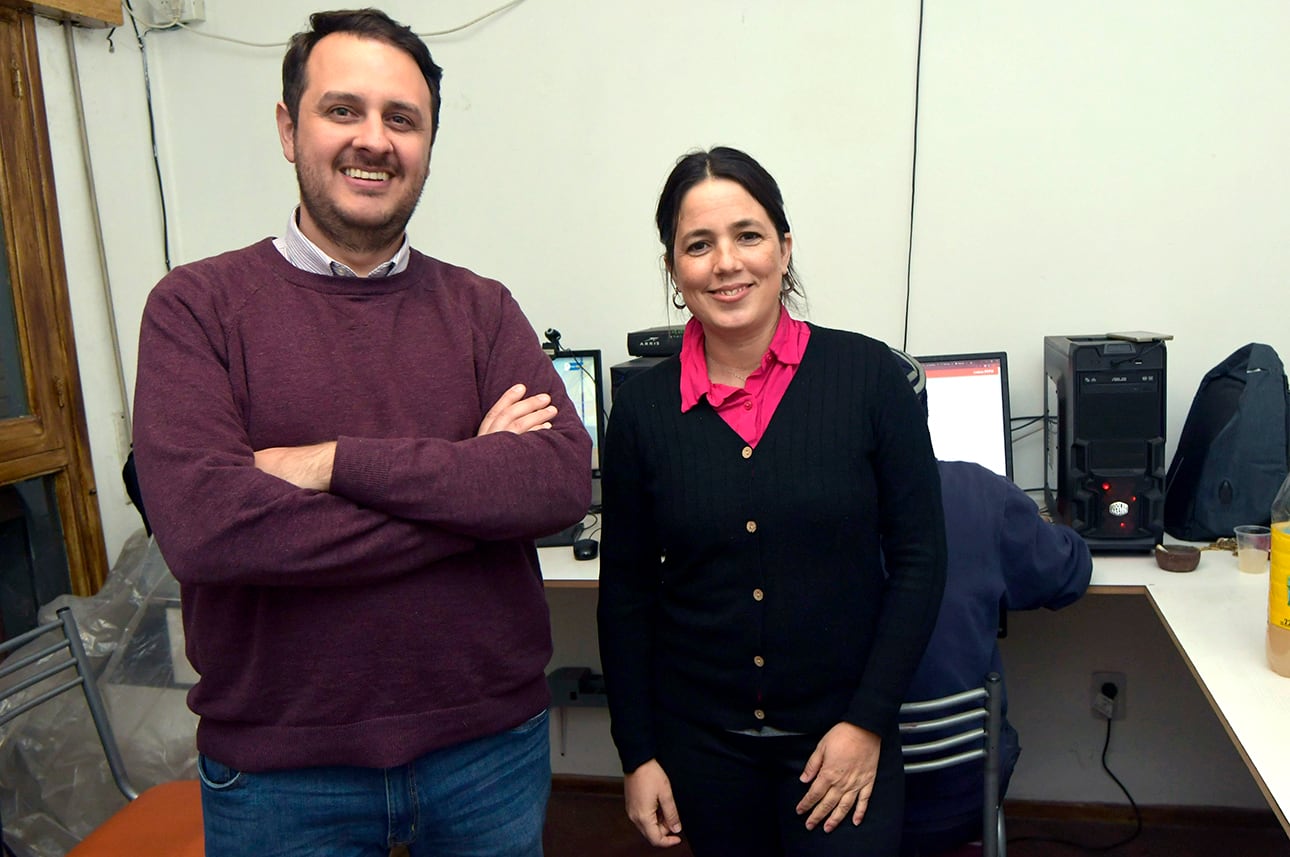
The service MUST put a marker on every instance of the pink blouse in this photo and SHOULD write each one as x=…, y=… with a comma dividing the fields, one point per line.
x=747, y=410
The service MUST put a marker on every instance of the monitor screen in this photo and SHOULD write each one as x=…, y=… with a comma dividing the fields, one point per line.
x=967, y=409
x=581, y=373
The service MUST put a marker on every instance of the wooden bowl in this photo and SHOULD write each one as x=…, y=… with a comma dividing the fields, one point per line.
x=1177, y=557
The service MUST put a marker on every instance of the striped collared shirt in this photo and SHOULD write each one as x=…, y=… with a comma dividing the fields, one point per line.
x=306, y=255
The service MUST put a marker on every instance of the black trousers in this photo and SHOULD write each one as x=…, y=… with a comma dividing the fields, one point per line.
x=737, y=795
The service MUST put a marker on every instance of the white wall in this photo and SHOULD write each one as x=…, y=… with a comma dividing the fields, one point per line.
x=1086, y=167
x=1080, y=168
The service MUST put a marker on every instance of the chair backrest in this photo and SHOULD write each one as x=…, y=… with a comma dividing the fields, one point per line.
x=967, y=726
x=62, y=653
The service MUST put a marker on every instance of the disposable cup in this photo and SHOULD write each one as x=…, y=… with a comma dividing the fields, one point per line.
x=1253, y=543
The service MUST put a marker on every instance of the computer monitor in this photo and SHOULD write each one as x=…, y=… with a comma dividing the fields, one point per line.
x=967, y=409
x=581, y=372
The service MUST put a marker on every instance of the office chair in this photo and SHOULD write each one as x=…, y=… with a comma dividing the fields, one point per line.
x=967, y=726
x=165, y=819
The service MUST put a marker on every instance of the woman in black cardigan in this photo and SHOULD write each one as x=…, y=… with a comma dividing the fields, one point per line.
x=773, y=551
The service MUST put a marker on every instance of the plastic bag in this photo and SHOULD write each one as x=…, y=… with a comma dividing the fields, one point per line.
x=55, y=785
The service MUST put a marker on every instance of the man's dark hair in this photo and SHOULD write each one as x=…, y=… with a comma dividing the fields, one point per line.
x=366, y=24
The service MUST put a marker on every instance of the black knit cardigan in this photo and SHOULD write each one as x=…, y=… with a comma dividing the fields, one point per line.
x=793, y=585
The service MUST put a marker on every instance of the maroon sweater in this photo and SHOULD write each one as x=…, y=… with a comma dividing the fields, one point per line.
x=402, y=611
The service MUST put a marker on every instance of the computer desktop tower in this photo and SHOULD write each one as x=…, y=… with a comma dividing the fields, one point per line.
x=620, y=373
x=1104, y=439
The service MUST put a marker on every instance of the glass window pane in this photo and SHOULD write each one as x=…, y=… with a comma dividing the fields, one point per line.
x=13, y=387
x=33, y=560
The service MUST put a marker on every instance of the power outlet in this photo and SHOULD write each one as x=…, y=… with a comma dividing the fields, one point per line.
x=1108, y=704
x=167, y=13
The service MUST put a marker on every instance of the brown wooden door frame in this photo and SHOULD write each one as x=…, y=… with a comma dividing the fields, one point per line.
x=54, y=440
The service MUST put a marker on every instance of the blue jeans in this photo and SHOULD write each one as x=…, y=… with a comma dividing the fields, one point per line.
x=484, y=798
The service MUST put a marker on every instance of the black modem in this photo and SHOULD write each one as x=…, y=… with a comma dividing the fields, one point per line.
x=655, y=341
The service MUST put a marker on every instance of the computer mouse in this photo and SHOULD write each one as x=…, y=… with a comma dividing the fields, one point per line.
x=585, y=549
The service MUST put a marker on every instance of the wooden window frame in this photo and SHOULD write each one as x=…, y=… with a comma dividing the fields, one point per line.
x=54, y=440
x=84, y=13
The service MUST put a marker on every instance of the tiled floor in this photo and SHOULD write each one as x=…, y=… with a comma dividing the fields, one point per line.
x=594, y=825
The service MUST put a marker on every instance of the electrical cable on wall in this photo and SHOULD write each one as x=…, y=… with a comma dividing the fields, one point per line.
x=1137, y=813
x=913, y=180
x=152, y=130
x=177, y=24
x=1021, y=428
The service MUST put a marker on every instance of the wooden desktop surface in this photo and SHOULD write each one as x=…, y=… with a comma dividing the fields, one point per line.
x=1215, y=615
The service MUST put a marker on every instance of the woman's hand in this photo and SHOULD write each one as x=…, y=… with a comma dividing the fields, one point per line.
x=841, y=773
x=648, y=793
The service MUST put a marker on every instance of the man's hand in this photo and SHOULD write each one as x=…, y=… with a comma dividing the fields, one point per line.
x=303, y=466
x=648, y=793
x=516, y=414
x=841, y=772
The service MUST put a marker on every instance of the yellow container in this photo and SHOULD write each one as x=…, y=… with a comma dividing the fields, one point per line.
x=1278, y=642
x=1281, y=535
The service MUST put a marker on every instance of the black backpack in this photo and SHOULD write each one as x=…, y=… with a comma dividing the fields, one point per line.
x=1234, y=449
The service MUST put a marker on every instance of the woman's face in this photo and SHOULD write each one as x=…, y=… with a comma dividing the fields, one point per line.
x=728, y=261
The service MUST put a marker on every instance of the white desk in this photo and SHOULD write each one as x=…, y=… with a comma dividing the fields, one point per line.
x=561, y=571
x=1216, y=617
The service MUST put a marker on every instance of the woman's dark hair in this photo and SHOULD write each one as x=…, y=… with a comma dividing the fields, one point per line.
x=366, y=24
x=723, y=162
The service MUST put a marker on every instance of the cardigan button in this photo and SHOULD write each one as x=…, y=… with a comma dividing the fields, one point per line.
x=758, y=595
x=759, y=661
x=759, y=714
x=746, y=452
x=751, y=526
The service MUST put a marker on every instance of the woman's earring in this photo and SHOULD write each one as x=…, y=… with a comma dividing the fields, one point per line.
x=676, y=299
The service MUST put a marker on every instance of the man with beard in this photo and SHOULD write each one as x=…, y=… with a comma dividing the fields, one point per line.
x=347, y=448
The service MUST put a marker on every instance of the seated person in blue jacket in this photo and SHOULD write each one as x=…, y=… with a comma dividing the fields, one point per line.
x=999, y=550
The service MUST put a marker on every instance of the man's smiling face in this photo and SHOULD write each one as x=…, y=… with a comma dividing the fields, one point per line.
x=361, y=145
